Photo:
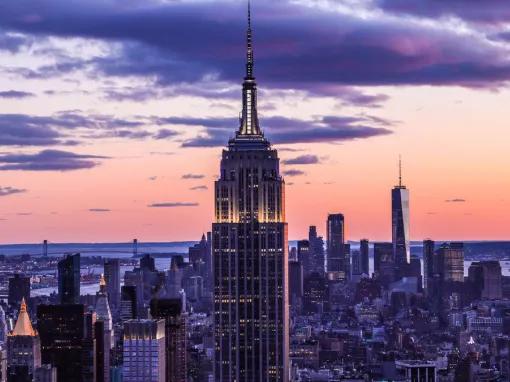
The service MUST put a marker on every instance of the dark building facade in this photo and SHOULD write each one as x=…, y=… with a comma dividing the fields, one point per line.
x=317, y=250
x=335, y=239
x=429, y=268
x=384, y=264
x=364, y=256
x=69, y=279
x=112, y=277
x=67, y=341
x=250, y=254
x=175, y=336
x=19, y=288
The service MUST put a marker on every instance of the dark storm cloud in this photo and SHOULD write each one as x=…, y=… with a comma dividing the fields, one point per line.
x=297, y=47
x=5, y=191
x=48, y=160
x=281, y=130
x=15, y=94
x=173, y=204
x=302, y=159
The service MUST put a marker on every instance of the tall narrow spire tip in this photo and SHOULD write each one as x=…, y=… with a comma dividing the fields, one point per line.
x=400, y=170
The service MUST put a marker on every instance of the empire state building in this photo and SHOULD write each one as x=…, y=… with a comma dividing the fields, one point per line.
x=250, y=253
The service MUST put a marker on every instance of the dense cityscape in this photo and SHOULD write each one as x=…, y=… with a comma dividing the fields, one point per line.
x=246, y=304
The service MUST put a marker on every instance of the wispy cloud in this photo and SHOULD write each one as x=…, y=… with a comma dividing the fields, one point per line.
x=193, y=176
x=15, y=94
x=99, y=210
x=173, y=204
x=302, y=159
x=5, y=191
x=199, y=188
x=48, y=160
x=293, y=172
x=456, y=200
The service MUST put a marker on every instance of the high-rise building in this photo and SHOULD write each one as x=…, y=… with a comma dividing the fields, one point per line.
x=452, y=262
x=335, y=240
x=112, y=277
x=3, y=327
x=171, y=310
x=250, y=252
x=128, y=303
x=384, y=264
x=295, y=283
x=19, y=288
x=317, y=251
x=104, y=332
x=305, y=256
x=66, y=333
x=400, y=223
x=485, y=280
x=356, y=263
x=23, y=348
x=69, y=279
x=428, y=264
x=144, y=351
x=364, y=256
x=147, y=263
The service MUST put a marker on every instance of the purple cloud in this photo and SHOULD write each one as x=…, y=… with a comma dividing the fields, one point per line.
x=199, y=188
x=282, y=130
x=15, y=94
x=193, y=176
x=48, y=160
x=165, y=133
x=302, y=159
x=351, y=50
x=5, y=191
x=173, y=204
x=293, y=172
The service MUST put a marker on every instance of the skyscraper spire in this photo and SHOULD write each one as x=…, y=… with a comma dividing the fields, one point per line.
x=249, y=119
x=400, y=170
x=249, y=47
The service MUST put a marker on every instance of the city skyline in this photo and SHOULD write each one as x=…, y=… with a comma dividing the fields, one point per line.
x=130, y=150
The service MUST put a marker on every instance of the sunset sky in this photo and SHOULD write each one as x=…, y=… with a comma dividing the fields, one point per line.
x=113, y=114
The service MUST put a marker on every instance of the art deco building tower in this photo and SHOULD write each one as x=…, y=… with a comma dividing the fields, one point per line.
x=400, y=223
x=250, y=253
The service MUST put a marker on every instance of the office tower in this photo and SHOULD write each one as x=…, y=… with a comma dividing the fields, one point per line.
x=112, y=277
x=103, y=330
x=428, y=264
x=3, y=363
x=3, y=326
x=384, y=265
x=492, y=278
x=174, y=279
x=314, y=294
x=69, y=279
x=171, y=310
x=128, y=302
x=194, y=288
x=485, y=280
x=305, y=256
x=356, y=263
x=19, y=288
x=317, y=251
x=335, y=243
x=414, y=270
x=296, y=281
x=347, y=261
x=66, y=333
x=364, y=255
x=250, y=252
x=198, y=252
x=23, y=348
x=144, y=351
x=400, y=223
x=45, y=373
x=452, y=262
x=147, y=263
